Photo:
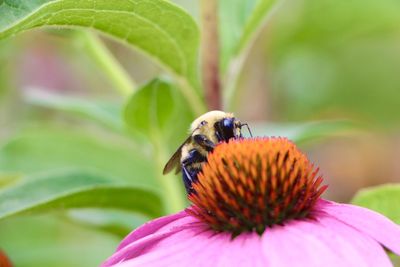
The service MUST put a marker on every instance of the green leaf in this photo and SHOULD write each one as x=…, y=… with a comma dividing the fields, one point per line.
x=46, y=147
x=8, y=179
x=150, y=108
x=384, y=199
x=158, y=28
x=57, y=191
x=395, y=259
x=107, y=114
x=158, y=110
x=304, y=132
x=239, y=23
x=159, y=113
x=45, y=240
x=116, y=222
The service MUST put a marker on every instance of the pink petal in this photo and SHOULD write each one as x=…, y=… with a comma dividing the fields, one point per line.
x=325, y=243
x=285, y=246
x=366, y=221
x=183, y=249
x=341, y=235
x=195, y=247
x=352, y=245
x=145, y=237
x=134, y=249
x=244, y=250
x=152, y=227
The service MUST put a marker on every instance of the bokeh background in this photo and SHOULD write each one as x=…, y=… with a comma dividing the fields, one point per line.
x=315, y=60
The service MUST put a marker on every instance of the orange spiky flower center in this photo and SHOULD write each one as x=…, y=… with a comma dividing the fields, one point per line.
x=251, y=184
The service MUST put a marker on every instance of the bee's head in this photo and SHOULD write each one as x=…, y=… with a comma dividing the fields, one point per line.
x=227, y=128
x=221, y=125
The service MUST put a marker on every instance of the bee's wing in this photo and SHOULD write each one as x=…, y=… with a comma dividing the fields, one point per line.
x=175, y=160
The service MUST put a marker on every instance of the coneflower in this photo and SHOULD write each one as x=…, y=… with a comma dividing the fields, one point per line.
x=257, y=203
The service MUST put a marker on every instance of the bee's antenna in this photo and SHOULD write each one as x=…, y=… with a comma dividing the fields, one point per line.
x=248, y=128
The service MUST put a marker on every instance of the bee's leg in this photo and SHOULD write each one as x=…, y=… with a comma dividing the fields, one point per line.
x=219, y=137
x=206, y=143
x=187, y=179
x=189, y=176
x=191, y=166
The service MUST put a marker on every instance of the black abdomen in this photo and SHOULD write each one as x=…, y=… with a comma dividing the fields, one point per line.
x=191, y=166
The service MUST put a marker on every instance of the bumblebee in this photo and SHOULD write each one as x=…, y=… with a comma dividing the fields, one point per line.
x=205, y=133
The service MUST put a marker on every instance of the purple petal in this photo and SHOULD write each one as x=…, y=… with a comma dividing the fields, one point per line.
x=365, y=221
x=321, y=243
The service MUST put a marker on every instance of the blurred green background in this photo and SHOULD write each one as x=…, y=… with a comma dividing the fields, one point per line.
x=315, y=60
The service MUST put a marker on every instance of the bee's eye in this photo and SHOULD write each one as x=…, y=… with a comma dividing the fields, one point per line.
x=227, y=123
x=225, y=129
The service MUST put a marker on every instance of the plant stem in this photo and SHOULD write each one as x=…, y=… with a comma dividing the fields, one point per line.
x=210, y=53
x=232, y=77
x=100, y=54
x=196, y=103
x=172, y=191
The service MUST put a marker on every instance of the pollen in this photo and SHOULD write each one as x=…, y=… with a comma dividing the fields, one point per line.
x=252, y=184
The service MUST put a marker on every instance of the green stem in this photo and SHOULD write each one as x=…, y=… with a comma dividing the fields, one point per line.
x=196, y=103
x=232, y=77
x=100, y=54
x=172, y=189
